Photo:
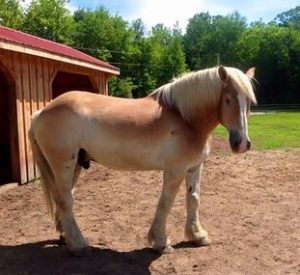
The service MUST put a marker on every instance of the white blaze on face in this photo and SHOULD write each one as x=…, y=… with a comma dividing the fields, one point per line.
x=244, y=122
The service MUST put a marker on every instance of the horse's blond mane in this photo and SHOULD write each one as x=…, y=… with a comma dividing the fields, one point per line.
x=197, y=91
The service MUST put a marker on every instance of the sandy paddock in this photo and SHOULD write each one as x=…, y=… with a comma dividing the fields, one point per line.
x=250, y=205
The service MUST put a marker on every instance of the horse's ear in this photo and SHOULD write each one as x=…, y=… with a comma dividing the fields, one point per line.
x=250, y=72
x=223, y=74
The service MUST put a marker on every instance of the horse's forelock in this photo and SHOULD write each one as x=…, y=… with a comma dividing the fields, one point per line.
x=243, y=82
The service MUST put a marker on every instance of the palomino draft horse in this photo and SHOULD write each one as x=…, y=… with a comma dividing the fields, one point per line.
x=168, y=130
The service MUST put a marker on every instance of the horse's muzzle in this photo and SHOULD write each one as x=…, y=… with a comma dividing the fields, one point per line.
x=238, y=143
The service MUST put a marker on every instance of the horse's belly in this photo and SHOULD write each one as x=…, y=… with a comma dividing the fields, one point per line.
x=124, y=159
x=127, y=154
x=136, y=149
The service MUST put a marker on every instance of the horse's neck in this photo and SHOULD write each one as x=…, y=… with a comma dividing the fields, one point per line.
x=207, y=117
x=206, y=122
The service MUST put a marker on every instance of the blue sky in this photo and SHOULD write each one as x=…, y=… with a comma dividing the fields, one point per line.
x=170, y=11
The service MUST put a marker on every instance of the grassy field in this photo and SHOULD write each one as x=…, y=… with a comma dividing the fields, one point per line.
x=271, y=130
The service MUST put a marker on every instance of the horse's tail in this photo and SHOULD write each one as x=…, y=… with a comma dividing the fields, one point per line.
x=46, y=175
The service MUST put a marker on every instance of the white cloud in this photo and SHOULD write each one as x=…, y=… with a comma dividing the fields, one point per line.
x=267, y=9
x=72, y=8
x=170, y=11
x=25, y=3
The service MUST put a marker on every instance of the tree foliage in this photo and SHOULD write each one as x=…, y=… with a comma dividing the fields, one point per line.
x=290, y=18
x=49, y=19
x=167, y=56
x=148, y=59
x=101, y=34
x=209, y=39
x=11, y=14
x=275, y=51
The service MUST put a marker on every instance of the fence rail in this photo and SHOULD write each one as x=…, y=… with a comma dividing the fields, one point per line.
x=275, y=108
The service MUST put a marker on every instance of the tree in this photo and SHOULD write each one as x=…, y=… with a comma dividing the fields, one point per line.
x=290, y=18
x=140, y=64
x=167, y=55
x=195, y=39
x=211, y=38
x=101, y=34
x=275, y=51
x=173, y=58
x=49, y=19
x=159, y=41
x=223, y=37
x=121, y=87
x=138, y=61
x=108, y=37
x=11, y=14
x=138, y=29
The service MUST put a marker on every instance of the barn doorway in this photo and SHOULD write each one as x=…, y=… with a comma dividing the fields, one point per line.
x=9, y=161
x=64, y=82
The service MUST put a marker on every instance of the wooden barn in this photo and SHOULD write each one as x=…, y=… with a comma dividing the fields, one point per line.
x=32, y=72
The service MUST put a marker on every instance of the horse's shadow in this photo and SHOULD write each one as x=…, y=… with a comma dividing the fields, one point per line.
x=48, y=258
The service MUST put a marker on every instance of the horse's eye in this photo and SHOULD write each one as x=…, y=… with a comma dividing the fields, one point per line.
x=227, y=100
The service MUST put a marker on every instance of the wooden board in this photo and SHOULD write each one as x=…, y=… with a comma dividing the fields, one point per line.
x=27, y=114
x=33, y=95
x=20, y=116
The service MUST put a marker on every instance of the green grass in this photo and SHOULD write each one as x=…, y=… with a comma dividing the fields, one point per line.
x=271, y=130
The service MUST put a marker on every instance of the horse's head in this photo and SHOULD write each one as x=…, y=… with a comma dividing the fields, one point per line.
x=234, y=107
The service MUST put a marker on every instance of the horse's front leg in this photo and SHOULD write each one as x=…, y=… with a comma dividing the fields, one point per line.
x=193, y=230
x=157, y=235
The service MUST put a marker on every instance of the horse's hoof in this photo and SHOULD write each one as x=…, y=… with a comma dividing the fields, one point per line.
x=61, y=240
x=165, y=250
x=78, y=252
x=205, y=241
x=80, y=249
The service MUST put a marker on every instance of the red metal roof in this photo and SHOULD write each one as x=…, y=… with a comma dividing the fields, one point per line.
x=27, y=40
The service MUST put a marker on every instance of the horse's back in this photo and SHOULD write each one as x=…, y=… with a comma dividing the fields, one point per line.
x=102, y=107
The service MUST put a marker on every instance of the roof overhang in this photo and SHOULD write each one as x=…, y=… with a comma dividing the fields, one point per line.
x=58, y=57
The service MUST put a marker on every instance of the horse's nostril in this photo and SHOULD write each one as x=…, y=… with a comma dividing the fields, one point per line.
x=248, y=145
x=236, y=144
x=235, y=140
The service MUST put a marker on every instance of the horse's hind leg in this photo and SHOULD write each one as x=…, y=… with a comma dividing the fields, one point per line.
x=64, y=182
x=62, y=237
x=77, y=171
x=59, y=229
x=157, y=236
x=193, y=228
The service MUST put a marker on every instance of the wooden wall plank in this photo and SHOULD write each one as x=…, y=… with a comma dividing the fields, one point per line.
x=20, y=117
x=40, y=83
x=33, y=95
x=101, y=80
x=105, y=78
x=39, y=93
x=46, y=81
x=27, y=114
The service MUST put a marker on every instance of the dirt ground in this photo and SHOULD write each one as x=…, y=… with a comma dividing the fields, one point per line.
x=250, y=205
